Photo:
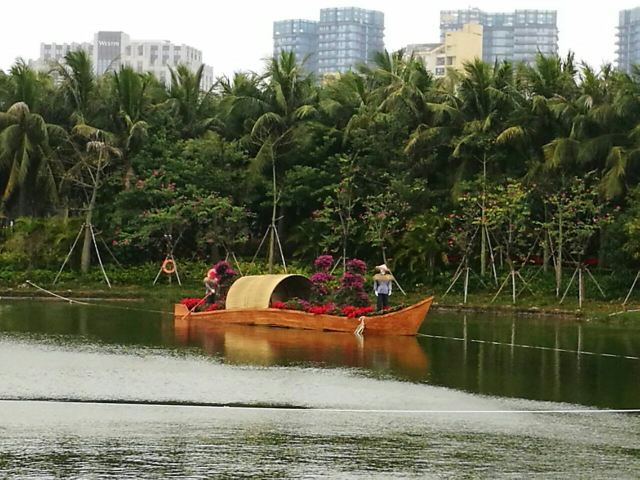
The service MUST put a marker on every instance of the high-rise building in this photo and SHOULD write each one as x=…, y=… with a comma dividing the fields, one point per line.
x=300, y=37
x=516, y=36
x=628, y=41
x=341, y=40
x=110, y=50
x=348, y=37
x=107, y=51
x=54, y=52
x=459, y=47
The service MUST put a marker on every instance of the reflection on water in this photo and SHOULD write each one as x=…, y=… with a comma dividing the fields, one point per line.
x=536, y=358
x=359, y=399
x=401, y=356
x=564, y=370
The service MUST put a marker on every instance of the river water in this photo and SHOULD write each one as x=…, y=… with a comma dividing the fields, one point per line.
x=115, y=393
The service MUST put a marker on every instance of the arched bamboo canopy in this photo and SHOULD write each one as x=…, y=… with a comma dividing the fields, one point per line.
x=258, y=291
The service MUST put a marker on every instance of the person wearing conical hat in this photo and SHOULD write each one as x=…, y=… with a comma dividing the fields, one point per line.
x=382, y=286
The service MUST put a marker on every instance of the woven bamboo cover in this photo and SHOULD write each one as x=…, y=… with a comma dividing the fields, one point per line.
x=258, y=291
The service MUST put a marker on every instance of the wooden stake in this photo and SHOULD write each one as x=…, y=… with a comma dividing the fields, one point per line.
x=630, y=290
x=466, y=285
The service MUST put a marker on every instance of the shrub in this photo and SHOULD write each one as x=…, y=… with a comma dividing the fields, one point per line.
x=351, y=291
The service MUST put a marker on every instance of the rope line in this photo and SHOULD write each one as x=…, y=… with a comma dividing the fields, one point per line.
x=104, y=305
x=176, y=403
x=533, y=347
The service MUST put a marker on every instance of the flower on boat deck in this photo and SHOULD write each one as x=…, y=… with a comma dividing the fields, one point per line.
x=352, y=311
x=278, y=304
x=351, y=280
x=320, y=309
x=211, y=308
x=190, y=303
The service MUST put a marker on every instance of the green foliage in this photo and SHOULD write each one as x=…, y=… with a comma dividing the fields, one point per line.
x=38, y=242
x=507, y=214
x=576, y=215
x=385, y=159
x=382, y=219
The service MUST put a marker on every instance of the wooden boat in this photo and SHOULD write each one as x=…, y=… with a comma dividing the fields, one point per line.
x=249, y=299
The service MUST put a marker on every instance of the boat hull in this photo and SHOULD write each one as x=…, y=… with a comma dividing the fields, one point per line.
x=402, y=322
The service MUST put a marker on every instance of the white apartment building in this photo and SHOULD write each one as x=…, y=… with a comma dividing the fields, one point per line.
x=110, y=50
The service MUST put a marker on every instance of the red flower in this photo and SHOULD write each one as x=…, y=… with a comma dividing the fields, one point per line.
x=211, y=308
x=319, y=309
x=363, y=310
x=190, y=303
x=279, y=305
x=349, y=311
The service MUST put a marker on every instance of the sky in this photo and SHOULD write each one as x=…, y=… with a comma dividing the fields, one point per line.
x=237, y=35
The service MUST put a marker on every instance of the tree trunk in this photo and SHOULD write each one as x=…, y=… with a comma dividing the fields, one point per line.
x=559, y=257
x=344, y=253
x=483, y=249
x=85, y=259
x=545, y=253
x=483, y=238
x=128, y=175
x=272, y=237
x=23, y=200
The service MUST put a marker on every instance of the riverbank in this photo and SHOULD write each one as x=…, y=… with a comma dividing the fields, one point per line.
x=477, y=303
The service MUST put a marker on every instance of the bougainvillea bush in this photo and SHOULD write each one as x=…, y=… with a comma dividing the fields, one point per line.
x=351, y=290
x=323, y=282
x=225, y=272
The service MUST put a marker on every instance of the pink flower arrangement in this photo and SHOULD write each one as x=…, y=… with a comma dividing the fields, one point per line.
x=351, y=291
x=323, y=262
x=350, y=280
x=321, y=277
x=356, y=266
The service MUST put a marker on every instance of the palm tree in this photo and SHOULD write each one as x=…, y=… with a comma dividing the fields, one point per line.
x=466, y=123
x=288, y=102
x=130, y=130
x=78, y=83
x=343, y=98
x=188, y=102
x=25, y=85
x=400, y=84
x=237, y=122
x=25, y=157
x=601, y=133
